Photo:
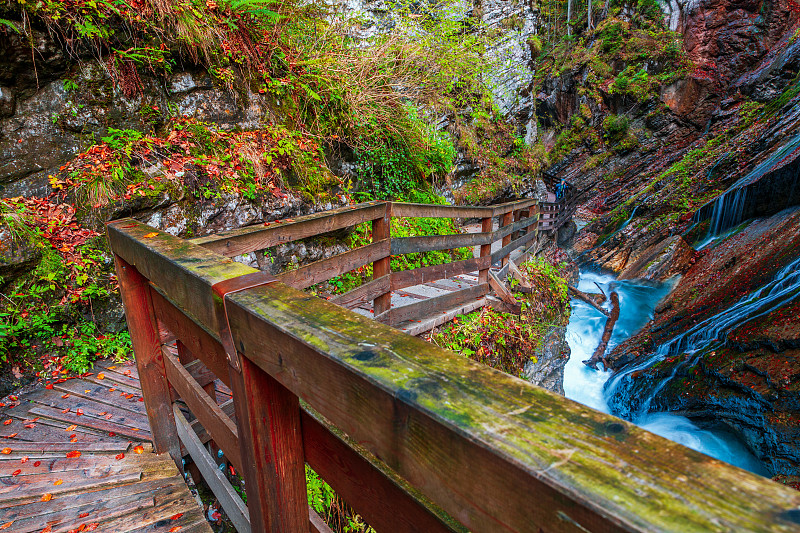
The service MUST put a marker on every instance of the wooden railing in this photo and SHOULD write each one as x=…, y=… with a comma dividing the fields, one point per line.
x=414, y=437
x=518, y=224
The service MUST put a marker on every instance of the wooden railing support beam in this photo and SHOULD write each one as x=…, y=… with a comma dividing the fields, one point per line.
x=135, y=291
x=381, y=229
x=486, y=249
x=271, y=448
x=508, y=218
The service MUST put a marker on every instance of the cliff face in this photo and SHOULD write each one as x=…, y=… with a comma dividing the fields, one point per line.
x=730, y=124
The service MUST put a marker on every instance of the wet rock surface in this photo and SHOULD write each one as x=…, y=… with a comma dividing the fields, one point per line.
x=746, y=377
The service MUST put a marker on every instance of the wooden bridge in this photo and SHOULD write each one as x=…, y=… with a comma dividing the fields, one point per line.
x=413, y=437
x=413, y=300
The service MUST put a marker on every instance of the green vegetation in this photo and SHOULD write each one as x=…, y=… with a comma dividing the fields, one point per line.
x=506, y=341
x=328, y=505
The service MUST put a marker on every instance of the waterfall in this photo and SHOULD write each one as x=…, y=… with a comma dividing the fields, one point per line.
x=783, y=288
x=767, y=189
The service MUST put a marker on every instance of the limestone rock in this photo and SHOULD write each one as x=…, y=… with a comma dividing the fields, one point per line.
x=17, y=255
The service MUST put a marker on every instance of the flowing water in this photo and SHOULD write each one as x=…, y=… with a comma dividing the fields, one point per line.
x=587, y=386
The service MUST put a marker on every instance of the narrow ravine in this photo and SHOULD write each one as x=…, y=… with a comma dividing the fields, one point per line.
x=587, y=386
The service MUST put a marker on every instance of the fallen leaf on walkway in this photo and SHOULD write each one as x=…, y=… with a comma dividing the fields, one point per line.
x=73, y=453
x=6, y=525
x=16, y=472
x=151, y=235
x=58, y=482
x=47, y=497
x=5, y=451
x=139, y=450
x=120, y=456
x=101, y=376
x=70, y=428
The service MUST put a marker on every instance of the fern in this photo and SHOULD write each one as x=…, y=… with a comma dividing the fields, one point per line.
x=255, y=8
x=10, y=24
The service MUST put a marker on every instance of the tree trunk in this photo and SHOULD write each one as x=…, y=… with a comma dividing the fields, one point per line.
x=589, y=14
x=599, y=354
x=569, y=17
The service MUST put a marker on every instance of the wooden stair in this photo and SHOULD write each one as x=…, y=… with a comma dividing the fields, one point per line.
x=75, y=455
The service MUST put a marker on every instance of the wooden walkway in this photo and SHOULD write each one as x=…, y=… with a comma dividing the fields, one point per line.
x=76, y=455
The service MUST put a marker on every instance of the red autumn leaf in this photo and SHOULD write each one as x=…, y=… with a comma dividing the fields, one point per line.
x=24, y=460
x=127, y=372
x=12, y=436
x=65, y=396
x=30, y=426
x=92, y=526
x=5, y=451
x=175, y=517
x=7, y=422
x=16, y=472
x=174, y=529
x=112, y=434
x=120, y=456
x=151, y=235
x=101, y=376
x=139, y=450
x=48, y=386
x=37, y=463
x=65, y=410
x=73, y=453
x=79, y=412
x=58, y=482
x=70, y=428
x=47, y=497
x=83, y=515
x=74, y=439
x=6, y=525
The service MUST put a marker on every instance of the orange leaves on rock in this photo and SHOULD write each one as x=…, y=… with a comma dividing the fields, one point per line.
x=73, y=453
x=139, y=450
x=5, y=451
x=120, y=456
x=151, y=235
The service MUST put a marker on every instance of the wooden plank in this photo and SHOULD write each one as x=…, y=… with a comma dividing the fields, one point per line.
x=268, y=418
x=83, y=407
x=409, y=210
x=429, y=243
x=508, y=231
x=19, y=488
x=428, y=323
x=382, y=229
x=210, y=415
x=419, y=276
x=135, y=292
x=100, y=393
x=66, y=446
x=61, y=521
x=239, y=241
x=479, y=443
x=203, y=344
x=507, y=249
x=325, y=269
x=503, y=293
x=502, y=209
x=234, y=507
x=384, y=499
x=99, y=424
x=431, y=306
x=317, y=524
x=486, y=250
x=505, y=221
x=107, y=497
x=363, y=294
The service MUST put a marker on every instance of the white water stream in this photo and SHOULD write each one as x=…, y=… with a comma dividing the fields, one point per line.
x=584, y=385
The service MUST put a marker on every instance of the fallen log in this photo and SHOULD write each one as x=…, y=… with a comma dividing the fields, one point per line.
x=599, y=354
x=588, y=299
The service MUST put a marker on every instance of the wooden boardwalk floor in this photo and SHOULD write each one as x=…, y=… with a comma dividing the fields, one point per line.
x=75, y=455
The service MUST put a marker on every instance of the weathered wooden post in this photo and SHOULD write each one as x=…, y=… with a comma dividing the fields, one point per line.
x=135, y=291
x=268, y=428
x=381, y=229
x=505, y=221
x=486, y=249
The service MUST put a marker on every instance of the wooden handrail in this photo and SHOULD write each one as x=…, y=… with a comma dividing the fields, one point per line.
x=492, y=451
